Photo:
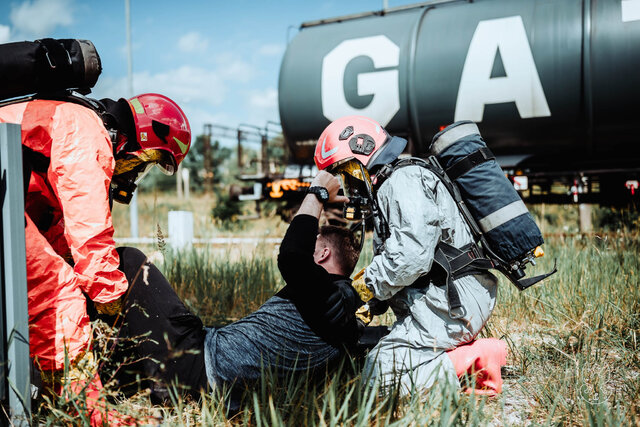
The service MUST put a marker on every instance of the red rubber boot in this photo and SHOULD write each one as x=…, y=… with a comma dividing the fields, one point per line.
x=482, y=358
x=96, y=406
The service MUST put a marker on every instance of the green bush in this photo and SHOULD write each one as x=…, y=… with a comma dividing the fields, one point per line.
x=617, y=219
x=226, y=212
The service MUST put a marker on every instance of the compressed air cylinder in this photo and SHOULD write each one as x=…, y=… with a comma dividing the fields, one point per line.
x=47, y=66
x=490, y=197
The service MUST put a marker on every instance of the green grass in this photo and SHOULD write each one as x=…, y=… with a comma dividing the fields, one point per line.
x=220, y=291
x=574, y=346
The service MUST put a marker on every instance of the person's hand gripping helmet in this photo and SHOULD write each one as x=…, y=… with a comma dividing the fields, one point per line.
x=162, y=138
x=352, y=147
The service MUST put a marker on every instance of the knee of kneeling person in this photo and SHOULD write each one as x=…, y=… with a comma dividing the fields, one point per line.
x=131, y=260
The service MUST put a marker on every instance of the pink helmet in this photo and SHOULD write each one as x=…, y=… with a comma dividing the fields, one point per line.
x=356, y=137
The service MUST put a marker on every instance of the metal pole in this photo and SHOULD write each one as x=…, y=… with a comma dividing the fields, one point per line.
x=133, y=205
x=179, y=182
x=207, y=154
x=14, y=277
x=240, y=163
x=261, y=133
x=264, y=154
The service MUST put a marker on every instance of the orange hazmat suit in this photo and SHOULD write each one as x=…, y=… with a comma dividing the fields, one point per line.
x=69, y=232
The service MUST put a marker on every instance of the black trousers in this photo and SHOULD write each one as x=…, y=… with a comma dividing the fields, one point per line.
x=160, y=343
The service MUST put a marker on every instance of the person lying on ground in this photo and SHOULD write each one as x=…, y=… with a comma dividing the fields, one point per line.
x=308, y=323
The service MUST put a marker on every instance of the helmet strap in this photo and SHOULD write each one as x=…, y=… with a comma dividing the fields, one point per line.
x=379, y=223
x=120, y=118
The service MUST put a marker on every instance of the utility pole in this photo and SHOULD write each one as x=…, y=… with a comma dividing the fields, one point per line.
x=264, y=154
x=133, y=205
x=265, y=150
x=262, y=134
x=240, y=164
x=208, y=163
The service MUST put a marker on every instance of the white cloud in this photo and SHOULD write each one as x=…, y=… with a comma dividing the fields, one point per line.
x=273, y=49
x=193, y=42
x=198, y=91
x=198, y=117
x=234, y=69
x=262, y=105
x=207, y=95
x=5, y=33
x=264, y=99
x=39, y=18
x=184, y=85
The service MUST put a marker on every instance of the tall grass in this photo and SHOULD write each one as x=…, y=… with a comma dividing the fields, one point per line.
x=574, y=348
x=220, y=291
x=574, y=339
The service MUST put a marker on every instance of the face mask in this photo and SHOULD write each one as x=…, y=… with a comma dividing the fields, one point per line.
x=123, y=185
x=354, y=180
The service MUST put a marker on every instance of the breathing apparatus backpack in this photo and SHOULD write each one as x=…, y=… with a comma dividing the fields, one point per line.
x=47, y=66
x=51, y=69
x=505, y=234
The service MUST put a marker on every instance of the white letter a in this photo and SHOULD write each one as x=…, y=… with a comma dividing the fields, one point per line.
x=521, y=84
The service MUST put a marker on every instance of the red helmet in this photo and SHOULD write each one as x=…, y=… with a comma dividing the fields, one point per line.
x=161, y=125
x=356, y=137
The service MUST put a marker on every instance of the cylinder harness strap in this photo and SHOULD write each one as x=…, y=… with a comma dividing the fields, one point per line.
x=453, y=262
x=469, y=162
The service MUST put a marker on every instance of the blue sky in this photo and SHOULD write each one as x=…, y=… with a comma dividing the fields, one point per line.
x=218, y=59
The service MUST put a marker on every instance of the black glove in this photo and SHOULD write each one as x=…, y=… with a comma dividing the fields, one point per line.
x=378, y=307
x=341, y=305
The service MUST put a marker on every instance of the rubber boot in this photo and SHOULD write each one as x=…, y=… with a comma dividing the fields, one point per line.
x=95, y=404
x=483, y=359
x=84, y=383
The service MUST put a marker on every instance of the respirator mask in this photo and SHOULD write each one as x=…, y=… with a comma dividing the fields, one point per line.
x=133, y=167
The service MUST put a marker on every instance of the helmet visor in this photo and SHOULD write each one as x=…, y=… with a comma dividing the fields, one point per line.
x=353, y=178
x=162, y=158
x=166, y=163
x=142, y=171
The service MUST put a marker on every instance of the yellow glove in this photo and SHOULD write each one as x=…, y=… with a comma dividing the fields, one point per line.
x=361, y=288
x=364, y=315
x=109, y=308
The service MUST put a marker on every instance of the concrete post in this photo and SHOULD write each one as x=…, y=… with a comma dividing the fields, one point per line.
x=586, y=223
x=180, y=229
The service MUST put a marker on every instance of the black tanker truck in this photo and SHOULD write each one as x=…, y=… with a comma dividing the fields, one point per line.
x=554, y=86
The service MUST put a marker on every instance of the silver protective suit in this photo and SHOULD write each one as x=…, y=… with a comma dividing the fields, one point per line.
x=420, y=213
